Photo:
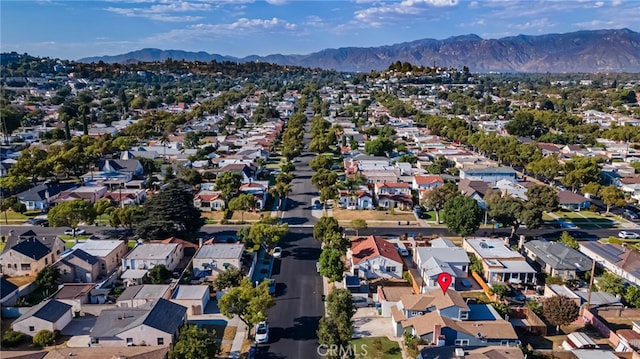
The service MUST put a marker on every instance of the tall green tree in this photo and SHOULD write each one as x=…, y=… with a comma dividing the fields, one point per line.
x=71, y=213
x=331, y=264
x=543, y=198
x=611, y=196
x=324, y=178
x=560, y=310
x=325, y=226
x=33, y=163
x=48, y=277
x=462, y=215
x=159, y=274
x=228, y=279
x=127, y=216
x=358, y=224
x=249, y=303
x=568, y=240
x=336, y=327
x=228, y=184
x=194, y=343
x=439, y=196
x=611, y=283
x=281, y=190
x=170, y=213
x=243, y=202
x=266, y=233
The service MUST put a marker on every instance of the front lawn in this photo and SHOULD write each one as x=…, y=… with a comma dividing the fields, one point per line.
x=373, y=215
x=376, y=347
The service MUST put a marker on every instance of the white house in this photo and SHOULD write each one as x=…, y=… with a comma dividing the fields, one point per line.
x=192, y=297
x=488, y=174
x=218, y=257
x=359, y=199
x=49, y=315
x=500, y=263
x=148, y=255
x=374, y=257
x=620, y=260
x=442, y=257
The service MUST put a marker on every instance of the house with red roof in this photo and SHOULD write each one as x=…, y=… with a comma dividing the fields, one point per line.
x=422, y=182
x=209, y=201
x=374, y=257
x=358, y=199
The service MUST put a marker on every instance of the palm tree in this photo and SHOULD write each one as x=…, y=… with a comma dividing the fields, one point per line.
x=281, y=190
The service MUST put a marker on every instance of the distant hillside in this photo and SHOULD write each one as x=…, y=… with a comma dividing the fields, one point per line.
x=582, y=51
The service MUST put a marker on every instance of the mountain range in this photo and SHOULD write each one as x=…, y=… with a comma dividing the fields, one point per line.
x=581, y=51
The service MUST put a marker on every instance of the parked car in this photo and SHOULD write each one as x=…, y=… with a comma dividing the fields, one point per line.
x=628, y=235
x=38, y=222
x=630, y=214
x=277, y=253
x=403, y=251
x=362, y=302
x=272, y=286
x=262, y=333
x=78, y=231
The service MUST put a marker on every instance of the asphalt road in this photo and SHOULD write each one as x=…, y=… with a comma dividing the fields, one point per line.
x=293, y=322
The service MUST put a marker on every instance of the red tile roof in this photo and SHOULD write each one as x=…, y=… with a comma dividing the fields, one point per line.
x=371, y=247
x=426, y=179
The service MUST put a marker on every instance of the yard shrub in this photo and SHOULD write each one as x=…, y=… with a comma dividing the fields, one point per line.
x=44, y=338
x=11, y=338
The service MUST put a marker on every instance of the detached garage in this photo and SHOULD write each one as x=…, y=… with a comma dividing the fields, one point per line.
x=194, y=297
x=49, y=315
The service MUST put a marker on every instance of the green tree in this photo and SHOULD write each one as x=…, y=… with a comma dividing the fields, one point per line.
x=632, y=296
x=358, y=224
x=568, y=240
x=12, y=338
x=475, y=264
x=266, y=233
x=321, y=161
x=549, y=167
x=328, y=193
x=560, y=310
x=439, y=196
x=543, y=198
x=159, y=274
x=462, y=215
x=71, y=213
x=379, y=147
x=244, y=202
x=194, y=343
x=611, y=283
x=44, y=338
x=228, y=279
x=331, y=264
x=500, y=290
x=581, y=170
x=336, y=240
x=14, y=182
x=513, y=212
x=249, y=303
x=281, y=190
x=191, y=140
x=127, y=217
x=33, y=163
x=336, y=327
x=228, y=184
x=439, y=165
x=324, y=226
x=592, y=188
x=48, y=277
x=170, y=213
x=102, y=205
x=611, y=196
x=324, y=178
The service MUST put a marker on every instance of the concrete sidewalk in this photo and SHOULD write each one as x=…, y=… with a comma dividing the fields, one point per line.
x=238, y=340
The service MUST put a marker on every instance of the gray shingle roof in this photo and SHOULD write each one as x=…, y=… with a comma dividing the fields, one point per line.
x=38, y=192
x=48, y=310
x=166, y=316
x=32, y=248
x=559, y=256
x=79, y=253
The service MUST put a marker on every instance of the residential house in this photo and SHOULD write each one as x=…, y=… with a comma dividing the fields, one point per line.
x=90, y=194
x=41, y=196
x=8, y=292
x=381, y=176
x=489, y=352
x=26, y=258
x=499, y=262
x=259, y=190
x=248, y=173
x=488, y=174
x=132, y=167
x=549, y=149
x=141, y=352
x=126, y=196
x=474, y=189
x=78, y=294
x=389, y=296
x=218, y=257
x=374, y=257
x=573, y=201
x=426, y=182
x=193, y=297
x=157, y=326
x=621, y=260
x=189, y=248
x=146, y=256
x=108, y=252
x=442, y=257
x=49, y=315
x=553, y=290
x=394, y=195
x=143, y=296
x=209, y=201
x=358, y=199
x=78, y=266
x=557, y=259
x=513, y=189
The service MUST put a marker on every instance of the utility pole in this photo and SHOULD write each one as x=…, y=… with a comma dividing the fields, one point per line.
x=593, y=270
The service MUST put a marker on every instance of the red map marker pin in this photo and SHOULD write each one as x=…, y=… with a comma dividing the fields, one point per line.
x=444, y=280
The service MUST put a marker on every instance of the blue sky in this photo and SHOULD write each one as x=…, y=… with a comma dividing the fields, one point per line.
x=75, y=29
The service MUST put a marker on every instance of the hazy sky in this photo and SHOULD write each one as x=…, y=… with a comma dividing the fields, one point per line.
x=75, y=29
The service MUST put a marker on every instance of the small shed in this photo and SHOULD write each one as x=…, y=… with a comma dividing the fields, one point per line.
x=194, y=297
x=49, y=315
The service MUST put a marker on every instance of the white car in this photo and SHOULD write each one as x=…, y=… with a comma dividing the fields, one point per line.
x=79, y=231
x=262, y=333
x=277, y=252
x=628, y=235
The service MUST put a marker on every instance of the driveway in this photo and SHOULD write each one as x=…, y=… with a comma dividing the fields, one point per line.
x=367, y=323
x=80, y=326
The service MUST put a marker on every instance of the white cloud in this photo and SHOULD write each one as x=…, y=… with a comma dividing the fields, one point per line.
x=595, y=24
x=277, y=2
x=616, y=2
x=237, y=28
x=539, y=24
x=165, y=10
x=313, y=20
x=396, y=12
